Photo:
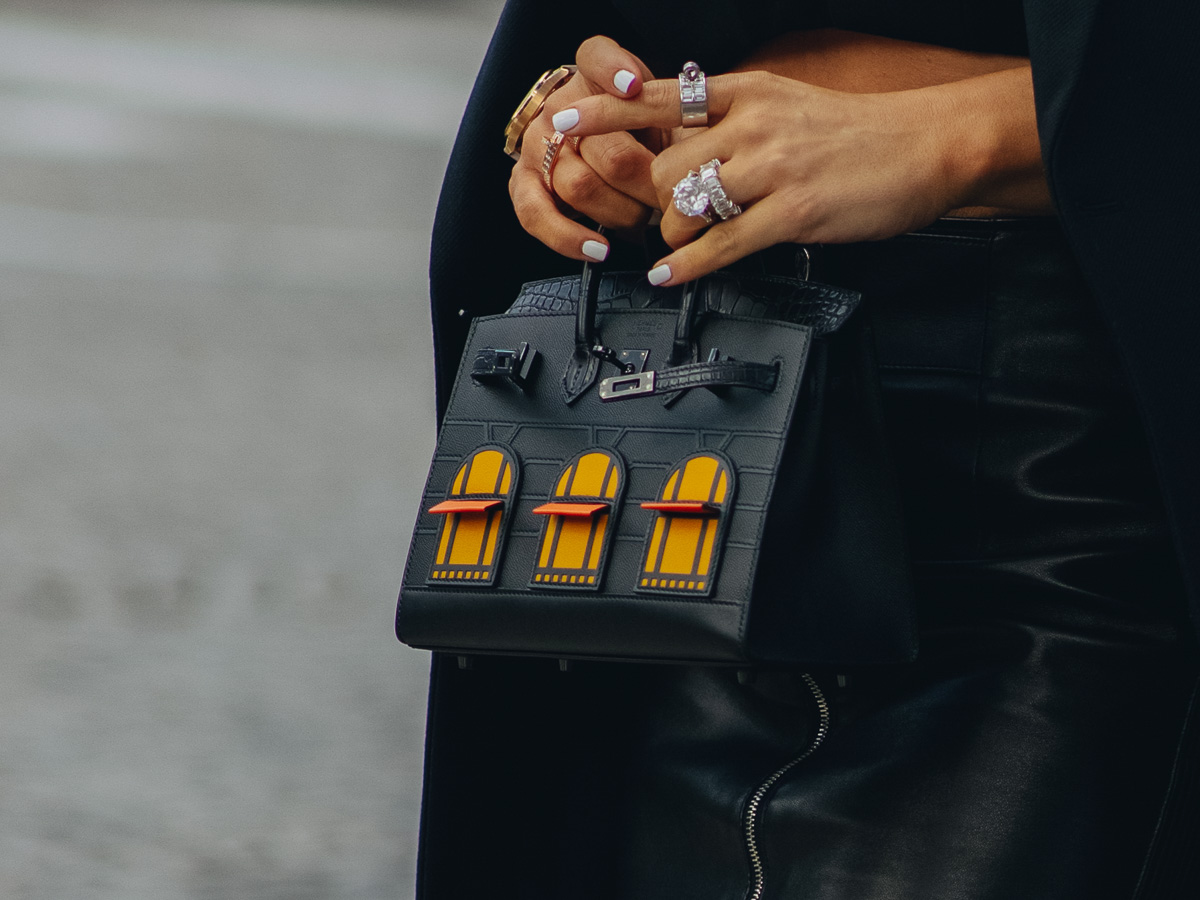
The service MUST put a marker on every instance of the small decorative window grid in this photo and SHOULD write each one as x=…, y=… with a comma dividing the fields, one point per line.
x=475, y=509
x=576, y=533
x=683, y=546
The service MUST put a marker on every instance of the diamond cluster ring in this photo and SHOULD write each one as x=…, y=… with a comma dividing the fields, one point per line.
x=701, y=194
x=691, y=199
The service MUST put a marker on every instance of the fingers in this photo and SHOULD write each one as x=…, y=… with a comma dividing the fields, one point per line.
x=583, y=184
x=585, y=187
x=622, y=163
x=604, y=63
x=724, y=243
x=539, y=215
x=607, y=179
x=657, y=106
x=536, y=208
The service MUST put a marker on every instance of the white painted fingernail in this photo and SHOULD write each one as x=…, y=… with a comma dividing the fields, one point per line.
x=565, y=120
x=659, y=274
x=623, y=79
x=595, y=250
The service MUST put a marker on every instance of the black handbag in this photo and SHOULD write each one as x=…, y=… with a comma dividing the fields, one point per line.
x=690, y=474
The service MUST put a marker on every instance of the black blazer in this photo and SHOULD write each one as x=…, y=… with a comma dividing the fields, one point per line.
x=1116, y=87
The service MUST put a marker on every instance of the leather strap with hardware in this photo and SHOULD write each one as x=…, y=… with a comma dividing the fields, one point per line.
x=712, y=374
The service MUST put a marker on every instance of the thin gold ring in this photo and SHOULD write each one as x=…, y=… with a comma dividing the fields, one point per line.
x=550, y=158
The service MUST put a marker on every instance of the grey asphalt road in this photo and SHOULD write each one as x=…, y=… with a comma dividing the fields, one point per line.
x=216, y=412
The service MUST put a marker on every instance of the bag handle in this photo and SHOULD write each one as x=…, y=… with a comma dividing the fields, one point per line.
x=681, y=347
x=585, y=309
x=583, y=366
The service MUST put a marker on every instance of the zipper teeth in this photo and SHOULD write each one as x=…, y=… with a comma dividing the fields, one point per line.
x=754, y=807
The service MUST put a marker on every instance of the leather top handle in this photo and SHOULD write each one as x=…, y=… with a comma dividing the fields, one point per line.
x=681, y=348
x=583, y=366
x=585, y=309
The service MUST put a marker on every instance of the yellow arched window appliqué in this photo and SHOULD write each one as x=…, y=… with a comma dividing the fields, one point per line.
x=684, y=543
x=576, y=533
x=475, y=512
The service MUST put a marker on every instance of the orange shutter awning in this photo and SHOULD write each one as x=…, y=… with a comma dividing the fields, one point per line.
x=580, y=510
x=446, y=507
x=695, y=507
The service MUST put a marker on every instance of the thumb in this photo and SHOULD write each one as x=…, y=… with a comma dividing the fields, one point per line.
x=610, y=67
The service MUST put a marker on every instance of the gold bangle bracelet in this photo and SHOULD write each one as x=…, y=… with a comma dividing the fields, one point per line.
x=531, y=105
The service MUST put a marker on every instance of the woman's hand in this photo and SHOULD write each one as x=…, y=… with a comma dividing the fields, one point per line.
x=811, y=165
x=605, y=178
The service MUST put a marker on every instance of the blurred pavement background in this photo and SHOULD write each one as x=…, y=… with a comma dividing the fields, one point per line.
x=216, y=412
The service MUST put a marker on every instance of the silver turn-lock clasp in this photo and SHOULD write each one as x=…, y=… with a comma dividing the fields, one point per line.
x=619, y=387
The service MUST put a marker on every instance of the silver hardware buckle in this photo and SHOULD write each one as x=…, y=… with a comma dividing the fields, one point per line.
x=622, y=387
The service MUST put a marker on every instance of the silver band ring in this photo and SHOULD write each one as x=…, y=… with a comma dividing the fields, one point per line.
x=693, y=96
x=691, y=198
x=717, y=198
x=550, y=157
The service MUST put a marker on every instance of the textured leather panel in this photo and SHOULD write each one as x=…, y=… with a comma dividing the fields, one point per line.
x=821, y=307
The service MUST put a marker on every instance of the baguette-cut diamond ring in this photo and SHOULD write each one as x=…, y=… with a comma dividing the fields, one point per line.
x=718, y=200
x=693, y=96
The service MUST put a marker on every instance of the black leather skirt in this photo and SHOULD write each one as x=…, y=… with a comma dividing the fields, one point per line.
x=1028, y=751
